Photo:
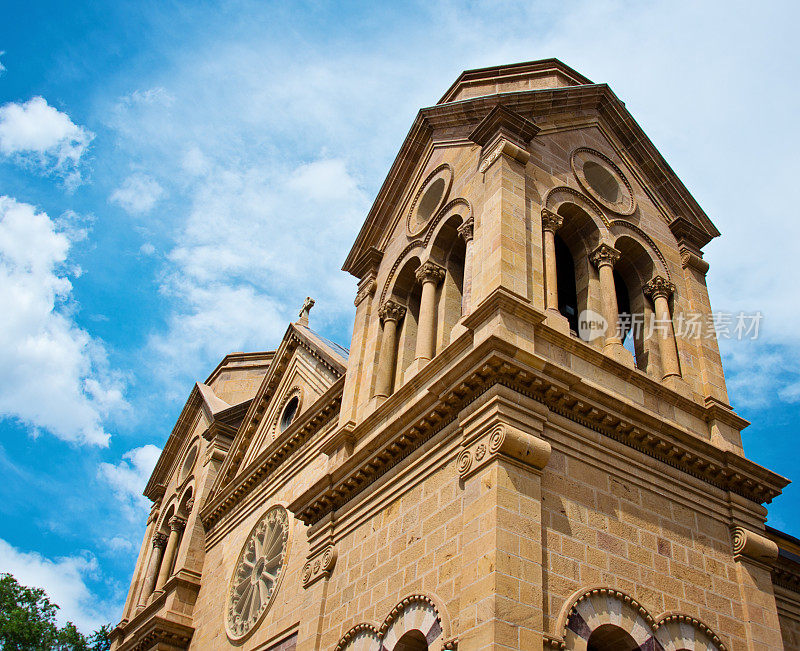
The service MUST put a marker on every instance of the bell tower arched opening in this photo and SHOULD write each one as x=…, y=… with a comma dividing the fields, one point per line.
x=609, y=637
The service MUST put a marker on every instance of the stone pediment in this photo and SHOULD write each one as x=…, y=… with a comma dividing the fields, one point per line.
x=305, y=367
x=459, y=113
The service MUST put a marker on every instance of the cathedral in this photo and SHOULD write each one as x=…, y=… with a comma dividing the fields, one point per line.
x=528, y=442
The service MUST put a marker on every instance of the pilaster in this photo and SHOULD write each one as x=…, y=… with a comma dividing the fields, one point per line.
x=501, y=233
x=502, y=583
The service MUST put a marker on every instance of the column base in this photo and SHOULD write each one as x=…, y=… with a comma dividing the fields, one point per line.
x=557, y=321
x=617, y=352
x=415, y=367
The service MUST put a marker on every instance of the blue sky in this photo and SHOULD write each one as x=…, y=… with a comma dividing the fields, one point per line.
x=177, y=177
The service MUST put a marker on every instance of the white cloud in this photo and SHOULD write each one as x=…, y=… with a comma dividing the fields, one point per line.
x=119, y=545
x=64, y=579
x=138, y=194
x=147, y=249
x=129, y=477
x=2, y=67
x=55, y=374
x=38, y=132
x=255, y=243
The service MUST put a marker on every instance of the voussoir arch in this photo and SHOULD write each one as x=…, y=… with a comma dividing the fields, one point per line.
x=558, y=196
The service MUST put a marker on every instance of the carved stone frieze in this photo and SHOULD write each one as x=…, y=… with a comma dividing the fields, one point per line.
x=604, y=254
x=319, y=566
x=391, y=311
x=659, y=286
x=501, y=439
x=753, y=546
x=430, y=272
x=551, y=221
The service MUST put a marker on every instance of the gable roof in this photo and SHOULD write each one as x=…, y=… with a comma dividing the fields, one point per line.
x=333, y=356
x=461, y=116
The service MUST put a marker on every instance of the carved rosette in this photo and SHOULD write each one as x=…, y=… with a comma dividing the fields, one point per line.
x=160, y=540
x=659, y=286
x=391, y=311
x=551, y=221
x=467, y=229
x=604, y=255
x=502, y=440
x=257, y=573
x=430, y=272
x=319, y=566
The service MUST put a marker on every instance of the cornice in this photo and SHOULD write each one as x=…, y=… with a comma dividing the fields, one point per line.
x=462, y=116
x=491, y=366
x=325, y=409
x=187, y=419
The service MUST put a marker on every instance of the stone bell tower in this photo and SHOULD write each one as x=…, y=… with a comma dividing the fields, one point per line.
x=528, y=444
x=550, y=486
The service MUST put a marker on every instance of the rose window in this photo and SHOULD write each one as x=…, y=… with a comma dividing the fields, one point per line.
x=257, y=573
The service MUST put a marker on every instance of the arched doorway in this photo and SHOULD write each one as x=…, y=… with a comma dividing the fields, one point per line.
x=609, y=637
x=412, y=641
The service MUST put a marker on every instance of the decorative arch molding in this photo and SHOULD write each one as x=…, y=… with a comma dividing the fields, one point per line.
x=162, y=517
x=401, y=259
x=585, y=611
x=447, y=211
x=295, y=391
x=626, y=207
x=415, y=612
x=646, y=241
x=443, y=171
x=557, y=196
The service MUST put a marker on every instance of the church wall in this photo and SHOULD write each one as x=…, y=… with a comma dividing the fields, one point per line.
x=410, y=546
x=661, y=538
x=788, y=603
x=225, y=542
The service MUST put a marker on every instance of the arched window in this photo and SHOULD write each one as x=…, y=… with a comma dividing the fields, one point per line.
x=633, y=269
x=611, y=638
x=289, y=412
x=412, y=641
x=567, y=289
x=449, y=250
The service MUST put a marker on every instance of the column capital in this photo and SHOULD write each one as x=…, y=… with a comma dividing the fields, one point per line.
x=604, y=255
x=160, y=540
x=659, y=286
x=551, y=221
x=176, y=523
x=466, y=230
x=391, y=311
x=430, y=272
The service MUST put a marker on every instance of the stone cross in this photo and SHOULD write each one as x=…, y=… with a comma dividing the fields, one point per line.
x=307, y=305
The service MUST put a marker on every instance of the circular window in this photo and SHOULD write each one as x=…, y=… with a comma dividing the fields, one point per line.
x=602, y=181
x=188, y=463
x=428, y=198
x=289, y=412
x=257, y=573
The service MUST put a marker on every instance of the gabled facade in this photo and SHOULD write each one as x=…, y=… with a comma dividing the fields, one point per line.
x=528, y=444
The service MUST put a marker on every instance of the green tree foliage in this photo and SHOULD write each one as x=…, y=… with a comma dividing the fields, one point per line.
x=28, y=623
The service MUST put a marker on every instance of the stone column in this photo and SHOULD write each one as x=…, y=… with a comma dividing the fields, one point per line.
x=157, y=553
x=390, y=314
x=176, y=525
x=551, y=222
x=430, y=275
x=466, y=231
x=604, y=258
x=659, y=289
